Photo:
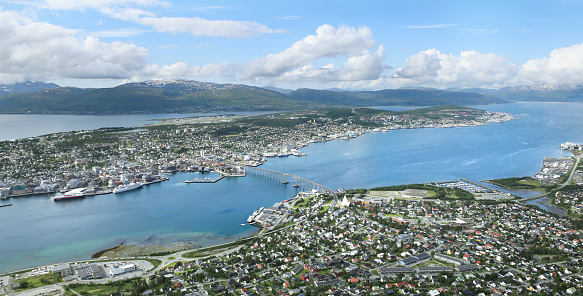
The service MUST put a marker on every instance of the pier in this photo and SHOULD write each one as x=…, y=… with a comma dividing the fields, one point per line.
x=298, y=182
x=203, y=181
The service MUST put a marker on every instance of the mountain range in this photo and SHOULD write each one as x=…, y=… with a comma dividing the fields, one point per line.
x=534, y=93
x=177, y=95
x=24, y=87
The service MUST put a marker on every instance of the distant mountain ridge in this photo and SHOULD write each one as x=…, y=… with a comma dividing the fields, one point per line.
x=395, y=97
x=179, y=95
x=535, y=93
x=25, y=87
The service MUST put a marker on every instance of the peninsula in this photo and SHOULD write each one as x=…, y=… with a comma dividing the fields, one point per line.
x=98, y=159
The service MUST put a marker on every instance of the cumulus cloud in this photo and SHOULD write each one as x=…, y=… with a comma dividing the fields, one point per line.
x=202, y=27
x=365, y=66
x=37, y=49
x=563, y=66
x=296, y=61
x=470, y=68
x=182, y=69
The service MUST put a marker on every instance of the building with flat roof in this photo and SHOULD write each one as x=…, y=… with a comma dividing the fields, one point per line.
x=90, y=271
x=467, y=267
x=434, y=269
x=64, y=269
x=449, y=259
x=395, y=270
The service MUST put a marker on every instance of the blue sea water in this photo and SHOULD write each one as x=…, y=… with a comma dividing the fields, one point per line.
x=17, y=126
x=36, y=230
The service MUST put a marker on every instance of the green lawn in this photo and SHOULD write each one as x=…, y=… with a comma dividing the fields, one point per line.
x=97, y=289
x=531, y=182
x=39, y=281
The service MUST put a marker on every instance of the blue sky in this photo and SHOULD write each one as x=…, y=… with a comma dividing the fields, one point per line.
x=294, y=44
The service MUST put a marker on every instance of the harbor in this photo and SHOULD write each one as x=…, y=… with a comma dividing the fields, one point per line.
x=171, y=212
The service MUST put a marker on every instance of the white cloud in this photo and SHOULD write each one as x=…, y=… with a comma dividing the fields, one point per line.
x=329, y=42
x=37, y=50
x=479, y=31
x=182, y=69
x=97, y=4
x=289, y=17
x=563, y=66
x=365, y=66
x=471, y=68
x=127, y=14
x=119, y=33
x=436, y=69
x=202, y=27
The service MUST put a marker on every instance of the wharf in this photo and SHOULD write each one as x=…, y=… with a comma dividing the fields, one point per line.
x=203, y=181
x=24, y=194
x=100, y=192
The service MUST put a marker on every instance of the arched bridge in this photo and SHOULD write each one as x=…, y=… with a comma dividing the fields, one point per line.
x=299, y=182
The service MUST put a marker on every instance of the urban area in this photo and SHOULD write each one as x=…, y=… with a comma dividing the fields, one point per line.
x=419, y=239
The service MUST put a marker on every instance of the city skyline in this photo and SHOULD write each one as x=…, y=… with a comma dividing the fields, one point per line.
x=368, y=45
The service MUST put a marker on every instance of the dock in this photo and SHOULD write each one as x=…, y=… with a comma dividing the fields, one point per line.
x=203, y=181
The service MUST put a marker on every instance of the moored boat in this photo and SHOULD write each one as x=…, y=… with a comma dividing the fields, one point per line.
x=128, y=187
x=254, y=215
x=75, y=193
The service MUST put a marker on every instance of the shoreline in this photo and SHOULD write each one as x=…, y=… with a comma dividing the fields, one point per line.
x=131, y=249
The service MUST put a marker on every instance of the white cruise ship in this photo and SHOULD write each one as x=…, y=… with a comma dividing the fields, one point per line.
x=75, y=193
x=128, y=187
x=251, y=218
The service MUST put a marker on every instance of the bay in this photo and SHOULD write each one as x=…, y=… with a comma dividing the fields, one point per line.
x=37, y=231
x=17, y=126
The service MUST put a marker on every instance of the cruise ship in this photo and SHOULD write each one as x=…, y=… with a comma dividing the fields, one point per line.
x=254, y=215
x=128, y=187
x=75, y=193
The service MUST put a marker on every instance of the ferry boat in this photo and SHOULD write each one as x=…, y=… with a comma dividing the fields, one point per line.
x=296, y=152
x=128, y=187
x=254, y=215
x=75, y=193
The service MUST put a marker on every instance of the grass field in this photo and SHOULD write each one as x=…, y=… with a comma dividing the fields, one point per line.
x=39, y=281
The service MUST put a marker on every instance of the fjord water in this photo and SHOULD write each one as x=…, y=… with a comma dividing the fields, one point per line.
x=17, y=126
x=36, y=230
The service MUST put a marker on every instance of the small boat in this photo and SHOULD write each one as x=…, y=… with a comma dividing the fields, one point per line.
x=243, y=224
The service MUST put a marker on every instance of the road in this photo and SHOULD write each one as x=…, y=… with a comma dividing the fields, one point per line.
x=523, y=200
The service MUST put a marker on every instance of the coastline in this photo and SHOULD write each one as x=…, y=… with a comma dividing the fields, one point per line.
x=131, y=250
x=159, y=244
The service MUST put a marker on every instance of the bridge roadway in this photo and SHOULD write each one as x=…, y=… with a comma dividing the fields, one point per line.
x=299, y=182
